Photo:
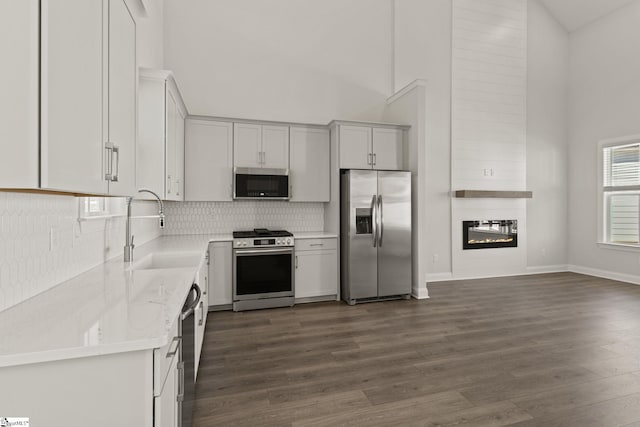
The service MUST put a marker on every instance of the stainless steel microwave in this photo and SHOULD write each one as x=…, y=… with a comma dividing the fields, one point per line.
x=260, y=183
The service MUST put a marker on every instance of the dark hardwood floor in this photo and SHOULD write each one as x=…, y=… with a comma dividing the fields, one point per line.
x=545, y=350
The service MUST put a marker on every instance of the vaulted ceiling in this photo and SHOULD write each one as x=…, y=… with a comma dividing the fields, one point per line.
x=573, y=14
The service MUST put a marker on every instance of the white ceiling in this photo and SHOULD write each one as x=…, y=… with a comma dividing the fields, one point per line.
x=573, y=14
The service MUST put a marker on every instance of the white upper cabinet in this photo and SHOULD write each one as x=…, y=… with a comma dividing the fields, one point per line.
x=309, y=165
x=260, y=146
x=275, y=147
x=122, y=97
x=388, y=152
x=365, y=147
x=88, y=97
x=209, y=160
x=355, y=147
x=161, y=133
x=19, y=109
x=72, y=144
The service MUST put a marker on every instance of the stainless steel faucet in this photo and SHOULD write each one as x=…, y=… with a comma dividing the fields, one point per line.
x=128, y=247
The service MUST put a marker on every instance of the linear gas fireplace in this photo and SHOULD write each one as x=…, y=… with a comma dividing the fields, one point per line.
x=490, y=233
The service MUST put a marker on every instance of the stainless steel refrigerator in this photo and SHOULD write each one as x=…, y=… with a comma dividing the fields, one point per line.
x=375, y=231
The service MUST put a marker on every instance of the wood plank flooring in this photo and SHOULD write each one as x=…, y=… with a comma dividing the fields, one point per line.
x=545, y=350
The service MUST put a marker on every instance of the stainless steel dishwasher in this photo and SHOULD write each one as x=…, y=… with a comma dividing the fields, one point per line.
x=186, y=365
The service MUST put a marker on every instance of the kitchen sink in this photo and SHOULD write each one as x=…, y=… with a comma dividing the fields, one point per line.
x=155, y=261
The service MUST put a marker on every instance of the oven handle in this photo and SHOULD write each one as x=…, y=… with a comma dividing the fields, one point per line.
x=242, y=252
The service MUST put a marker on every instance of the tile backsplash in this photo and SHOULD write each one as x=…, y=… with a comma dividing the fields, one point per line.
x=225, y=217
x=43, y=242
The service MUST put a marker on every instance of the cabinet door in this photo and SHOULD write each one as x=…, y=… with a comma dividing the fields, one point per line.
x=166, y=404
x=275, y=147
x=220, y=273
x=171, y=115
x=209, y=161
x=150, y=145
x=309, y=165
x=316, y=274
x=388, y=149
x=355, y=147
x=71, y=96
x=201, y=311
x=122, y=97
x=247, y=145
x=19, y=107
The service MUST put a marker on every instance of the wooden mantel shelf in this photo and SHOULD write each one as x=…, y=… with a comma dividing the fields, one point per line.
x=486, y=194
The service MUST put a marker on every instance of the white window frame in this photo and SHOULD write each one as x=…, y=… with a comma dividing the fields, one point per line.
x=603, y=226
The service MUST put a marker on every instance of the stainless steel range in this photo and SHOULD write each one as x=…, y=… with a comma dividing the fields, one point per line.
x=263, y=269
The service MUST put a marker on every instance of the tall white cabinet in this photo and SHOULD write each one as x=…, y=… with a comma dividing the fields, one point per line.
x=73, y=85
x=19, y=106
x=88, y=81
x=208, y=160
x=309, y=164
x=161, y=134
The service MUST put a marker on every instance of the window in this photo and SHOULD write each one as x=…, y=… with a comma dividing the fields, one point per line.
x=621, y=191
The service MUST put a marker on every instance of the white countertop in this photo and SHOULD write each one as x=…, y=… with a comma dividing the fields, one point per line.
x=108, y=309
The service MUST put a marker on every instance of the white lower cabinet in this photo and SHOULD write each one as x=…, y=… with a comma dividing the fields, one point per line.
x=316, y=269
x=220, y=274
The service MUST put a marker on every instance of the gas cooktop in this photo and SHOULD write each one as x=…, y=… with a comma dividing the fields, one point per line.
x=261, y=232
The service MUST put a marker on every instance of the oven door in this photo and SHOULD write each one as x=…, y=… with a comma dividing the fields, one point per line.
x=263, y=273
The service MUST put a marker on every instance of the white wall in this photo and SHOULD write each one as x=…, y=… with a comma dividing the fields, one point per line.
x=291, y=60
x=604, y=102
x=423, y=51
x=547, y=135
x=149, y=32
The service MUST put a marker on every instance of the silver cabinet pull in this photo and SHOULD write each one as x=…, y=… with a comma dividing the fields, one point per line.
x=259, y=153
x=317, y=244
x=201, y=321
x=369, y=156
x=116, y=175
x=296, y=262
x=180, y=395
x=177, y=187
x=375, y=159
x=264, y=157
x=108, y=175
x=168, y=184
x=175, y=340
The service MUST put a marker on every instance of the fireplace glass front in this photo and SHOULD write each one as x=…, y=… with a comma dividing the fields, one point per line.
x=490, y=233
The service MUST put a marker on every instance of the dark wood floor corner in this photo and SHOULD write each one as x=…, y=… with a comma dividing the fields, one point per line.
x=558, y=349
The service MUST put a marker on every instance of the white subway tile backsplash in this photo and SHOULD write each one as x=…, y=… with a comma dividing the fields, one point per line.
x=225, y=217
x=42, y=243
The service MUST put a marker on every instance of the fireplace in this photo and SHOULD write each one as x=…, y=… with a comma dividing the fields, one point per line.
x=490, y=233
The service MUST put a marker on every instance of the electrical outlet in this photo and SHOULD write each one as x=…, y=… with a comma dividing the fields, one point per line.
x=54, y=238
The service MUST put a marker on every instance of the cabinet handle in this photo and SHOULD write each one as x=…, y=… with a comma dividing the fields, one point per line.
x=177, y=187
x=109, y=167
x=177, y=341
x=259, y=153
x=296, y=262
x=201, y=321
x=168, y=184
x=264, y=157
x=375, y=159
x=317, y=244
x=116, y=151
x=369, y=158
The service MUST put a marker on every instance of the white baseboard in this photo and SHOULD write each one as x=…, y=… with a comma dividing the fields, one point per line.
x=613, y=275
x=439, y=277
x=420, y=293
x=540, y=269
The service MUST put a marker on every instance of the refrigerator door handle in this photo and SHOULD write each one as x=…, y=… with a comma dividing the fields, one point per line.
x=374, y=221
x=380, y=221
